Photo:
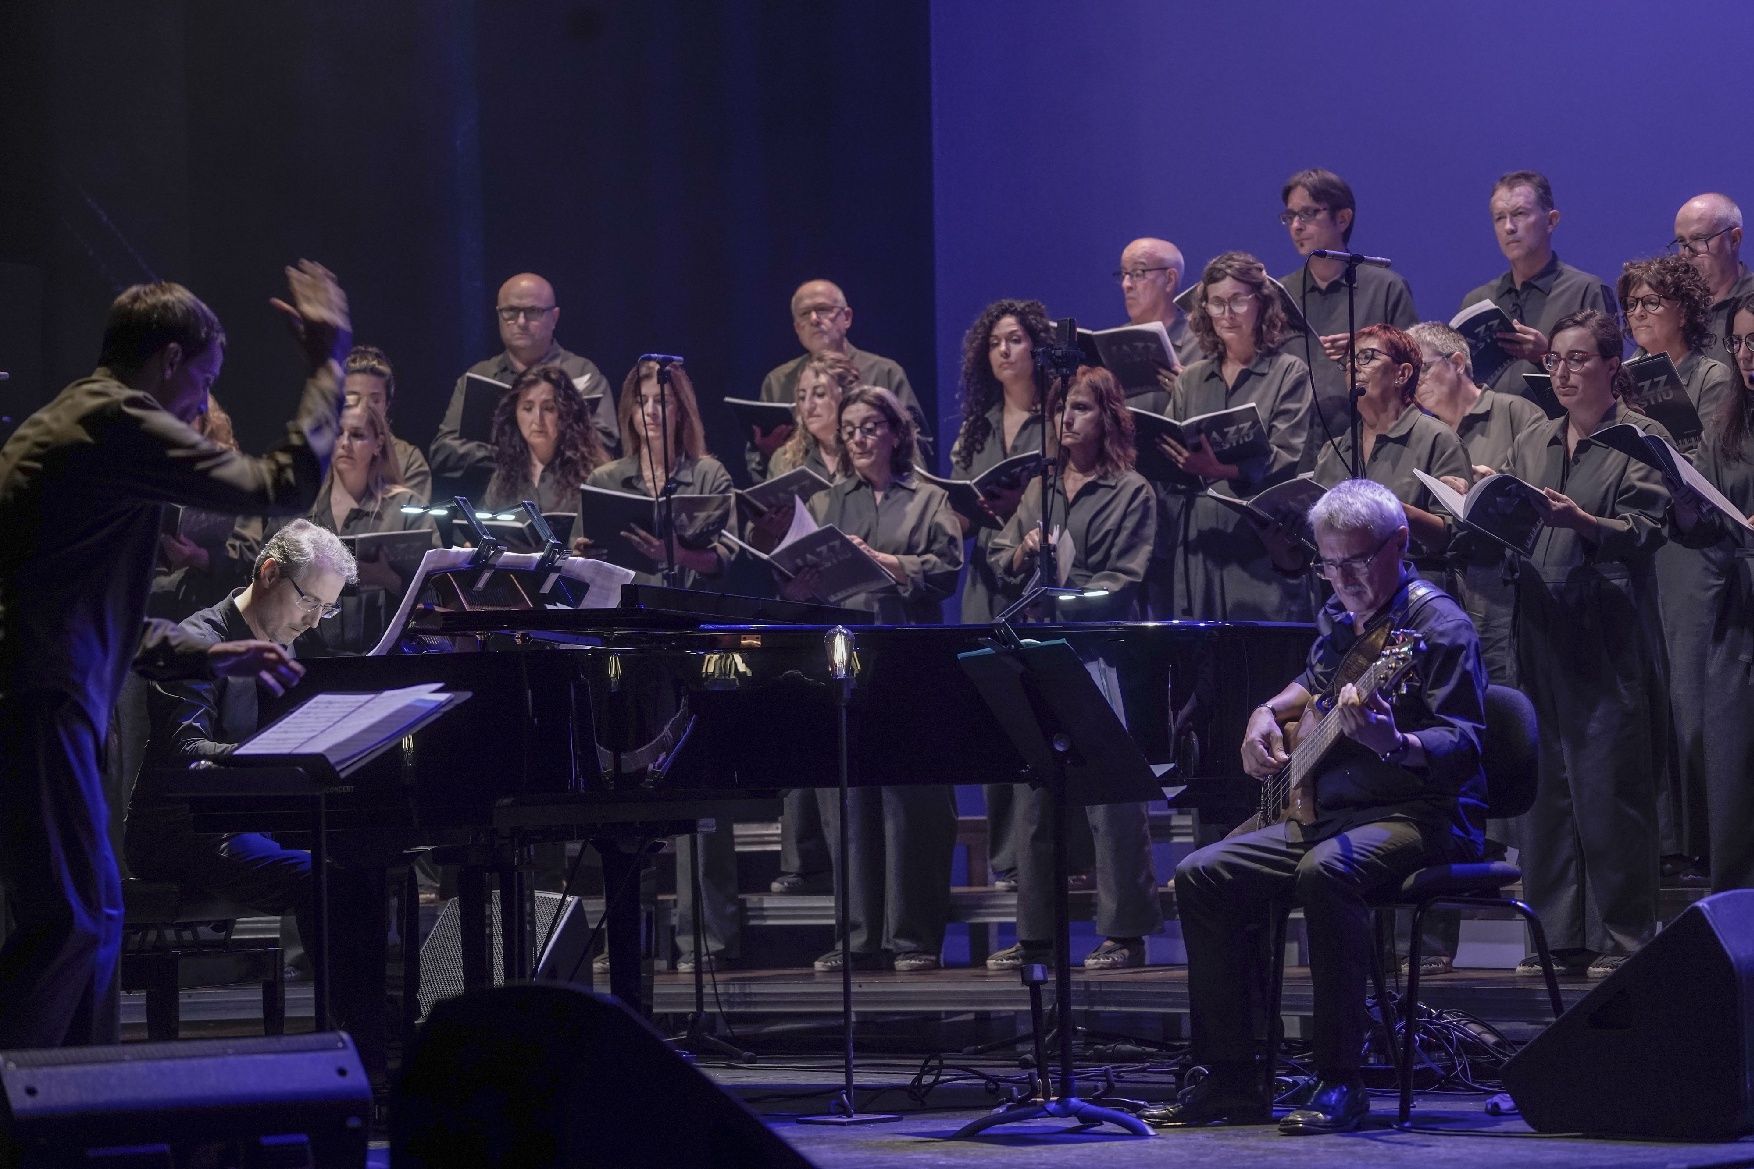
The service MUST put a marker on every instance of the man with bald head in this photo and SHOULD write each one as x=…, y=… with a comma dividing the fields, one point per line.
x=1708, y=231
x=1151, y=274
x=822, y=318
x=528, y=314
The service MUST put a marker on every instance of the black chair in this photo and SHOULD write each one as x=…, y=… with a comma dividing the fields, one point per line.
x=1509, y=760
x=172, y=939
x=1509, y=755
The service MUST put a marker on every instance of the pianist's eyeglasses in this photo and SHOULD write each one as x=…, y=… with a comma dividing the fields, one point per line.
x=309, y=603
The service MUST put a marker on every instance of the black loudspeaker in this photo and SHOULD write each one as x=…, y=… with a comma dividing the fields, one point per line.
x=563, y=960
x=1664, y=1047
x=281, y=1100
x=544, y=1076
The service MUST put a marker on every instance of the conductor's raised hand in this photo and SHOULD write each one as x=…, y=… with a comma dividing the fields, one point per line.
x=316, y=312
x=268, y=663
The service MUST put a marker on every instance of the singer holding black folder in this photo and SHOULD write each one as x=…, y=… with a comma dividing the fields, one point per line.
x=1224, y=571
x=1105, y=515
x=1000, y=418
x=1726, y=458
x=544, y=445
x=1588, y=658
x=666, y=444
x=902, y=837
x=1668, y=311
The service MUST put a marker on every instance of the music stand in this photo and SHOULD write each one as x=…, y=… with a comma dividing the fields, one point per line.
x=1052, y=712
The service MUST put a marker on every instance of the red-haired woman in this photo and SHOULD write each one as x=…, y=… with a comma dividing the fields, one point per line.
x=1105, y=514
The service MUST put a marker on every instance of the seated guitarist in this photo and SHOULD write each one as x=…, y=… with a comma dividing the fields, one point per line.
x=1400, y=788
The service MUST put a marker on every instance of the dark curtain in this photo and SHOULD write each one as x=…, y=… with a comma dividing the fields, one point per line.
x=674, y=168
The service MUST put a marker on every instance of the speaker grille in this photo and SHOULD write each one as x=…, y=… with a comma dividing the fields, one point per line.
x=441, y=955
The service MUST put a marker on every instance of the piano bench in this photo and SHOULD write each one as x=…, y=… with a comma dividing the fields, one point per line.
x=174, y=939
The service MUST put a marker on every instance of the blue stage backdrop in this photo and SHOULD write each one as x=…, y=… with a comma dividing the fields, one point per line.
x=1061, y=132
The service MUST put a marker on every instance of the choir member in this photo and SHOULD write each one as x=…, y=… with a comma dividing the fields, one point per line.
x=1397, y=437
x=1727, y=459
x=82, y=481
x=528, y=315
x=1105, y=515
x=363, y=495
x=1587, y=658
x=1320, y=214
x=1225, y=572
x=822, y=318
x=1401, y=789
x=369, y=374
x=544, y=445
x=902, y=837
x=1486, y=421
x=826, y=378
x=1668, y=310
x=1151, y=274
x=1708, y=231
x=1539, y=288
x=1001, y=417
x=656, y=457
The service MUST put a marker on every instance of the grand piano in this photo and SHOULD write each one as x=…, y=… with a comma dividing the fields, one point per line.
x=621, y=714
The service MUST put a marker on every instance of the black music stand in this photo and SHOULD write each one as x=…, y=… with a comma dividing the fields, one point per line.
x=1052, y=712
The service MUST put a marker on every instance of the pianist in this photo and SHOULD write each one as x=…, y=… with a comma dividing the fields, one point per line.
x=1403, y=790
x=298, y=576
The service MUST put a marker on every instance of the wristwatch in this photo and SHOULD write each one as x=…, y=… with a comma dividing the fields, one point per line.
x=1399, y=751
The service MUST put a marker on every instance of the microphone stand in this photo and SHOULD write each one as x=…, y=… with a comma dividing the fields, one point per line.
x=1353, y=393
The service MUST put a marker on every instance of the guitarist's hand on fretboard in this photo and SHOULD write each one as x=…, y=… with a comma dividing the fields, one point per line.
x=1367, y=720
x=1263, y=745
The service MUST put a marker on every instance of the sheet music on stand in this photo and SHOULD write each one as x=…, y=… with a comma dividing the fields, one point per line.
x=340, y=732
x=574, y=582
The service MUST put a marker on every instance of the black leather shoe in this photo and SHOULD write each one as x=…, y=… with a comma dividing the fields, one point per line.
x=1217, y=1099
x=1337, y=1106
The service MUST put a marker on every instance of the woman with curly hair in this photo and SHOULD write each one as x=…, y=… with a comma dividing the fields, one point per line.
x=1224, y=572
x=1106, y=516
x=1000, y=418
x=544, y=445
x=1668, y=310
x=1588, y=660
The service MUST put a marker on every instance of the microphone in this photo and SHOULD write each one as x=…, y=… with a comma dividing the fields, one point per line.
x=662, y=358
x=1351, y=258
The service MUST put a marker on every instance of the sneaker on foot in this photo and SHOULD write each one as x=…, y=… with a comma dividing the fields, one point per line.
x=1116, y=954
x=1018, y=956
x=1606, y=964
x=829, y=963
x=916, y=962
x=1562, y=964
x=1005, y=882
x=802, y=883
x=1430, y=964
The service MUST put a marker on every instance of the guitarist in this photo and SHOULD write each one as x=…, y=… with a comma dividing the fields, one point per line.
x=1400, y=788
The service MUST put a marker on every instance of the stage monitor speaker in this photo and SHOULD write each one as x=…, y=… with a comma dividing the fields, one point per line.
x=279, y=1100
x=544, y=1076
x=1662, y=1047
x=564, y=960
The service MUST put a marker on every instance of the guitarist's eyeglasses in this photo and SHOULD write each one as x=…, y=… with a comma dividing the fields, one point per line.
x=1352, y=565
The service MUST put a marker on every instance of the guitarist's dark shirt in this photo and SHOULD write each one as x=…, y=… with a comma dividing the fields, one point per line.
x=1443, y=705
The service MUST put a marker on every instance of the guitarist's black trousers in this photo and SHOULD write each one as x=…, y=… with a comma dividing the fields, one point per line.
x=1226, y=889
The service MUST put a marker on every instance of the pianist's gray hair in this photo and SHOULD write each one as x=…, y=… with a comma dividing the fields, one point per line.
x=301, y=544
x=1358, y=505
